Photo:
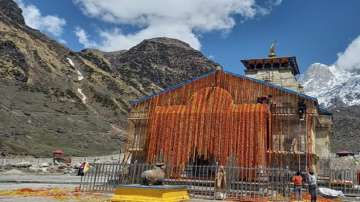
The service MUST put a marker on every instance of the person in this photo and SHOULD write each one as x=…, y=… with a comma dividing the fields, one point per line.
x=81, y=169
x=312, y=186
x=86, y=167
x=220, y=183
x=297, y=180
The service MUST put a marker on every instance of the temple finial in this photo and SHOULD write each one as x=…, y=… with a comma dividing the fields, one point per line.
x=272, y=50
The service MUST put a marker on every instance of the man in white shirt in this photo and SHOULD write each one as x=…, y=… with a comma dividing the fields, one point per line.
x=312, y=186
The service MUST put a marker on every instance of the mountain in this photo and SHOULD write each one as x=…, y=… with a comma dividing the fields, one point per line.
x=53, y=97
x=338, y=90
x=332, y=85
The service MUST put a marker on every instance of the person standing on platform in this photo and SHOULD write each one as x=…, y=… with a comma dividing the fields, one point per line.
x=312, y=186
x=298, y=181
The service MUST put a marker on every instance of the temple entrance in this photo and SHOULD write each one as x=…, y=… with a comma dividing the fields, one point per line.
x=201, y=166
x=200, y=160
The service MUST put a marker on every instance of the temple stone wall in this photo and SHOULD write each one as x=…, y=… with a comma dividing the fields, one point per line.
x=322, y=144
x=284, y=78
x=322, y=141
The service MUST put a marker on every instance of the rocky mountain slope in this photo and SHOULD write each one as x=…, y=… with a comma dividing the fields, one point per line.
x=332, y=85
x=53, y=97
x=339, y=91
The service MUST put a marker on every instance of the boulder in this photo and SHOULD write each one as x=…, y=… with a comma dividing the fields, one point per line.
x=14, y=172
x=154, y=176
x=44, y=165
x=23, y=164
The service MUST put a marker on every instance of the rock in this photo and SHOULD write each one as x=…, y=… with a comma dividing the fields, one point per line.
x=23, y=164
x=154, y=176
x=77, y=165
x=14, y=172
x=44, y=169
x=12, y=11
x=220, y=195
x=52, y=169
x=42, y=165
x=62, y=166
x=34, y=169
x=70, y=171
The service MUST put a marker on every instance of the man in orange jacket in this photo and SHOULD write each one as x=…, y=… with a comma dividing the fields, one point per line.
x=297, y=180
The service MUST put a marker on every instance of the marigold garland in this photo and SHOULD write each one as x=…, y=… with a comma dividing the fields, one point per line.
x=217, y=117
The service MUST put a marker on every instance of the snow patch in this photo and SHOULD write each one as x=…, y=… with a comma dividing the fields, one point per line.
x=70, y=62
x=80, y=76
x=82, y=95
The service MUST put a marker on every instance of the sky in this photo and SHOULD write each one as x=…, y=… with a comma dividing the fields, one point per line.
x=315, y=31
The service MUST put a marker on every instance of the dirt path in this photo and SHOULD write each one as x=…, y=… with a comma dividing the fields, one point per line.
x=48, y=193
x=45, y=188
x=45, y=179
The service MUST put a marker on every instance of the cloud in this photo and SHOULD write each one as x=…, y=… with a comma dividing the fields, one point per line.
x=84, y=39
x=336, y=81
x=345, y=68
x=33, y=18
x=181, y=19
x=349, y=60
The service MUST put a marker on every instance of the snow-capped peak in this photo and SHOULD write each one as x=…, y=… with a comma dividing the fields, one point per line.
x=339, y=82
x=332, y=84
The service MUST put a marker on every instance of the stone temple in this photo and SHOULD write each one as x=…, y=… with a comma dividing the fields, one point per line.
x=260, y=119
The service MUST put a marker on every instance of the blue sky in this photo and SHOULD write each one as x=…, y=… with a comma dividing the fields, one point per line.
x=312, y=30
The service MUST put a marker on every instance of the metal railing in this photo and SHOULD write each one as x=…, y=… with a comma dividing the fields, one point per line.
x=253, y=184
x=345, y=180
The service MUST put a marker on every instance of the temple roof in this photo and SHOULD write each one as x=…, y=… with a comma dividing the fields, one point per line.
x=271, y=63
x=140, y=100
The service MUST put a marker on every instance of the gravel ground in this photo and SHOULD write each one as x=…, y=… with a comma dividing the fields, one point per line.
x=12, y=186
x=37, y=186
x=27, y=199
x=45, y=199
x=69, y=182
x=13, y=182
x=51, y=179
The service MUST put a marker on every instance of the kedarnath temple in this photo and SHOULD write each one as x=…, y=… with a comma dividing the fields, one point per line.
x=260, y=119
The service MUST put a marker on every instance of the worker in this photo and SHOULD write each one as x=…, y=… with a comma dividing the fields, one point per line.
x=84, y=168
x=220, y=183
x=298, y=181
x=312, y=186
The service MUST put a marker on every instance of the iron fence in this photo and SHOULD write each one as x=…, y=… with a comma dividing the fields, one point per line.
x=254, y=184
x=345, y=180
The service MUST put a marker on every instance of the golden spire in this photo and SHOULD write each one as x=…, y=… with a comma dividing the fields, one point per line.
x=272, y=50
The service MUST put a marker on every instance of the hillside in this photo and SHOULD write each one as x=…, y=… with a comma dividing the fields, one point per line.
x=53, y=97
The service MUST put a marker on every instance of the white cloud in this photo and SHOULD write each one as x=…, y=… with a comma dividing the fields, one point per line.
x=350, y=59
x=181, y=19
x=338, y=80
x=347, y=62
x=62, y=41
x=33, y=18
x=345, y=68
x=83, y=38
